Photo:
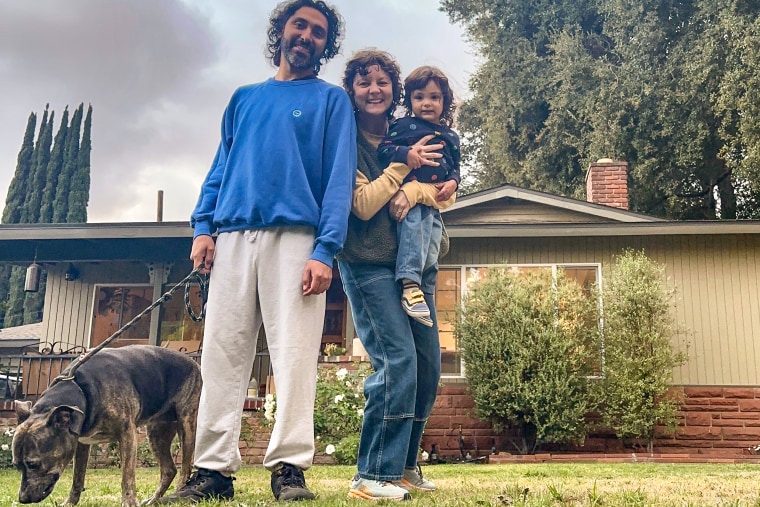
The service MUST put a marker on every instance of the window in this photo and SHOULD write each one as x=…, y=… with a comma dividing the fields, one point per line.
x=114, y=307
x=453, y=283
x=177, y=327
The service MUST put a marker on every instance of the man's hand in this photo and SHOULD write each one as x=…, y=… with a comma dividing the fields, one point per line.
x=445, y=190
x=202, y=253
x=317, y=277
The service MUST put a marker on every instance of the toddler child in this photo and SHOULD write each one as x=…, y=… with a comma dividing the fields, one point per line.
x=429, y=104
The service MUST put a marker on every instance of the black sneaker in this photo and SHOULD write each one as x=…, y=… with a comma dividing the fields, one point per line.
x=288, y=484
x=202, y=485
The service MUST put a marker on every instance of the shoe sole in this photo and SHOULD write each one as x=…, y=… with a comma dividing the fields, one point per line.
x=363, y=496
x=412, y=313
x=296, y=497
x=425, y=321
x=403, y=483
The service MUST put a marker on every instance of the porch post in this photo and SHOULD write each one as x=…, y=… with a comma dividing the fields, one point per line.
x=159, y=274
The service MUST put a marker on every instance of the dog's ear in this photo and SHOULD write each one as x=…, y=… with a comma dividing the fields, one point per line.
x=23, y=410
x=66, y=417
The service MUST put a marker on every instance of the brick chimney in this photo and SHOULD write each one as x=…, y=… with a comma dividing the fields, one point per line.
x=607, y=183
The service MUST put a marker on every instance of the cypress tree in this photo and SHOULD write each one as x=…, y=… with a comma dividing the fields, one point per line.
x=55, y=165
x=71, y=152
x=79, y=194
x=14, y=311
x=31, y=212
x=34, y=302
x=14, y=202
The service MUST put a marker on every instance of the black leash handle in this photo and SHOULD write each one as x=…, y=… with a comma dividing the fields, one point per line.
x=166, y=296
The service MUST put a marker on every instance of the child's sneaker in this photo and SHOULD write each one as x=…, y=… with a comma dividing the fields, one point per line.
x=425, y=321
x=367, y=489
x=413, y=479
x=413, y=302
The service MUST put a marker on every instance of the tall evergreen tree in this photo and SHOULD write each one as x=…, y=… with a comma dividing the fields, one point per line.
x=31, y=211
x=14, y=202
x=667, y=85
x=79, y=194
x=14, y=205
x=70, y=156
x=14, y=312
x=55, y=165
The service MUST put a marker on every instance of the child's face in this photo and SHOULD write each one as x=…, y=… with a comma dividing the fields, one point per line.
x=427, y=103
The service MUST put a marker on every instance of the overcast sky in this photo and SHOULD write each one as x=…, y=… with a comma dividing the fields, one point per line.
x=159, y=73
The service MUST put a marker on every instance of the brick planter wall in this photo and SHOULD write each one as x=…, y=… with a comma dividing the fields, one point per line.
x=715, y=423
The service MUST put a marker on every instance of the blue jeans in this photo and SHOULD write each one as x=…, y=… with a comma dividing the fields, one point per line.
x=406, y=357
x=419, y=239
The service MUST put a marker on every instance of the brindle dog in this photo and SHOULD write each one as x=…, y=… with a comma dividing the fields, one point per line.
x=111, y=395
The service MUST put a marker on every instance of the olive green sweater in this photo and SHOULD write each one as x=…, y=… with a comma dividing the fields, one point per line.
x=372, y=238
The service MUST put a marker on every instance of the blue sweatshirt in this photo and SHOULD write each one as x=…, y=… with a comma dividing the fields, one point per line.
x=287, y=157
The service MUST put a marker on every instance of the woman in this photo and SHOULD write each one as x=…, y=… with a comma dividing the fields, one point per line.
x=405, y=354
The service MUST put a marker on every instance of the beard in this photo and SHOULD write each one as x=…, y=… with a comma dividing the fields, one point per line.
x=297, y=60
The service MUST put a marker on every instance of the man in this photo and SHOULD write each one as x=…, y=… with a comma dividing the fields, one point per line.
x=279, y=195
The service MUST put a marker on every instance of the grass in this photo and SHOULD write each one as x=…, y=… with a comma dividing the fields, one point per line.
x=518, y=485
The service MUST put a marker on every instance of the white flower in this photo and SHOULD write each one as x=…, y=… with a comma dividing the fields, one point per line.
x=270, y=407
x=424, y=456
x=339, y=398
x=4, y=447
x=329, y=449
x=360, y=412
x=348, y=383
x=341, y=374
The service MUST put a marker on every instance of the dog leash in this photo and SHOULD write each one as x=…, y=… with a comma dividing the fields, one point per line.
x=202, y=281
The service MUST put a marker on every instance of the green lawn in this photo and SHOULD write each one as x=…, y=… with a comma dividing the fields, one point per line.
x=620, y=484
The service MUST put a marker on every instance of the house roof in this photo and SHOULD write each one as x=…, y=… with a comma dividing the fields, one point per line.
x=505, y=211
x=151, y=241
x=19, y=336
x=659, y=228
x=505, y=194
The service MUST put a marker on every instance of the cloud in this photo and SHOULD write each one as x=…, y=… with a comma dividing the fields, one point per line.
x=158, y=74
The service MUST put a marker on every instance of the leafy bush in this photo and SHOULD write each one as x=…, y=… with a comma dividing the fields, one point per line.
x=6, y=454
x=529, y=344
x=638, y=354
x=338, y=411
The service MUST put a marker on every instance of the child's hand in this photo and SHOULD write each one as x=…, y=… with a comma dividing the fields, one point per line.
x=445, y=190
x=414, y=160
x=425, y=153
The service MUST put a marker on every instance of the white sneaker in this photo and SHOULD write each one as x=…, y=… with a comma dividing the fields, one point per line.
x=367, y=489
x=413, y=479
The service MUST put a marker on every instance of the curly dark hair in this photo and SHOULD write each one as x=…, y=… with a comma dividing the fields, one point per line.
x=360, y=63
x=418, y=79
x=285, y=10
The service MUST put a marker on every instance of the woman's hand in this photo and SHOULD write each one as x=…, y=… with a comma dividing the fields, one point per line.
x=399, y=206
x=425, y=154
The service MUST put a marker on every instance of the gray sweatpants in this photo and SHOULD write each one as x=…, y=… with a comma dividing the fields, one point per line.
x=255, y=280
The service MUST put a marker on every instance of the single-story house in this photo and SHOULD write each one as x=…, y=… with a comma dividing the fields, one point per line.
x=100, y=275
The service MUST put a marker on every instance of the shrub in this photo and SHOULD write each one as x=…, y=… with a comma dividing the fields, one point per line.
x=530, y=343
x=6, y=454
x=638, y=354
x=338, y=411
